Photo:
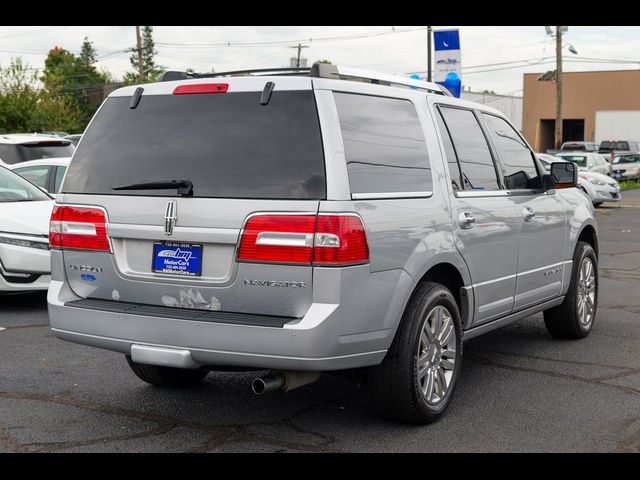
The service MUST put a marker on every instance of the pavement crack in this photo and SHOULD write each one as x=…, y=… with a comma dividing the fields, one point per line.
x=485, y=361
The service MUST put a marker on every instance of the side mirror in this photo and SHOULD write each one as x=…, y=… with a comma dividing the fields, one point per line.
x=563, y=175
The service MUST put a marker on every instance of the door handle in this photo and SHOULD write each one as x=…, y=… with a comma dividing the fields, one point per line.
x=528, y=213
x=466, y=220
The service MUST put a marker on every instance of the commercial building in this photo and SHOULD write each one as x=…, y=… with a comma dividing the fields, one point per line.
x=583, y=94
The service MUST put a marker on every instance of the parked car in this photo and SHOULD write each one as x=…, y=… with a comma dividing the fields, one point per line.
x=22, y=147
x=46, y=173
x=626, y=167
x=600, y=188
x=75, y=138
x=579, y=147
x=411, y=221
x=611, y=148
x=587, y=161
x=25, y=211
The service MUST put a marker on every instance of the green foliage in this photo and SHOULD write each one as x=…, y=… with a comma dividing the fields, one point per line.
x=324, y=60
x=151, y=69
x=76, y=77
x=629, y=184
x=25, y=107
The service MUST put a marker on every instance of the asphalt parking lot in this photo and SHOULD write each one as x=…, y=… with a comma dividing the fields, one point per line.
x=520, y=390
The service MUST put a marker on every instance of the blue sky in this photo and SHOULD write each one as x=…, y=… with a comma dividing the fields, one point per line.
x=493, y=57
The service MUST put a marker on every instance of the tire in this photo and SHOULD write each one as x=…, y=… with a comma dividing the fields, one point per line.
x=166, y=376
x=572, y=319
x=396, y=386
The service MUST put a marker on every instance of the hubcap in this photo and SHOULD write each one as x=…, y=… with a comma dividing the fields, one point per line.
x=436, y=356
x=586, y=291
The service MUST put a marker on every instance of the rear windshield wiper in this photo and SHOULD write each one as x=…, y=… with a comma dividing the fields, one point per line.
x=185, y=187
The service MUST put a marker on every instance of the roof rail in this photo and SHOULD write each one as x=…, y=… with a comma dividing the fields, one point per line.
x=175, y=75
x=325, y=70
x=320, y=70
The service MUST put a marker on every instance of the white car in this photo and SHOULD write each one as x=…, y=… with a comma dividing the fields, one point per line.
x=25, y=211
x=47, y=173
x=600, y=188
x=22, y=147
x=587, y=161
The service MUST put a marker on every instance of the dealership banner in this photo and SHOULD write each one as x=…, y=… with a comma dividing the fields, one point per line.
x=447, y=54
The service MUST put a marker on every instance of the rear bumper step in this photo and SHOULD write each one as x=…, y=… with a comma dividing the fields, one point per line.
x=180, y=313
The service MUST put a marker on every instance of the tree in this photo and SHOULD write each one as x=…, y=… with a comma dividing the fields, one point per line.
x=27, y=108
x=66, y=74
x=151, y=70
x=324, y=60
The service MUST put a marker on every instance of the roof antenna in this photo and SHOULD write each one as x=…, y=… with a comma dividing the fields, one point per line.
x=266, y=93
x=135, y=99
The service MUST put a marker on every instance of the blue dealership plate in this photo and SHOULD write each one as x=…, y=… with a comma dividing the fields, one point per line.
x=177, y=258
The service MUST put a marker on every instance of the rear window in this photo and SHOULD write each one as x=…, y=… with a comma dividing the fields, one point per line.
x=574, y=146
x=227, y=145
x=45, y=149
x=611, y=146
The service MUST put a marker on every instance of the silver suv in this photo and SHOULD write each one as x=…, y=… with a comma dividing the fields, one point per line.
x=322, y=220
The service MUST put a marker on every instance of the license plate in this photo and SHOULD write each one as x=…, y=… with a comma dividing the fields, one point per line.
x=177, y=258
x=617, y=176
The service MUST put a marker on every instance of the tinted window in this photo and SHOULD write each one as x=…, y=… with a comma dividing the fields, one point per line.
x=37, y=175
x=9, y=154
x=59, y=176
x=515, y=157
x=228, y=145
x=610, y=146
x=452, y=159
x=575, y=147
x=384, y=145
x=477, y=166
x=45, y=150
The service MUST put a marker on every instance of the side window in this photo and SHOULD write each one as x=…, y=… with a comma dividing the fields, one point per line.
x=9, y=154
x=452, y=158
x=384, y=145
x=60, y=171
x=519, y=170
x=37, y=175
x=476, y=163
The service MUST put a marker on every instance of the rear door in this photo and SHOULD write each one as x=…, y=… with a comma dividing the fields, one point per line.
x=485, y=218
x=242, y=155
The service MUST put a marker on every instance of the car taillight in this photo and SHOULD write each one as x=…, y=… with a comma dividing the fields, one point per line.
x=78, y=228
x=201, y=88
x=336, y=240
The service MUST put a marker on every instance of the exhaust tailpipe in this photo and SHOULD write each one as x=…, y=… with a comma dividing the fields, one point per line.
x=283, y=381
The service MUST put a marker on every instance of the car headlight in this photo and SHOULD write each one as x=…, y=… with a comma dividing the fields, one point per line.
x=23, y=243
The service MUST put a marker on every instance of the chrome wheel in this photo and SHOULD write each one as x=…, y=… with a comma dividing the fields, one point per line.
x=586, y=292
x=436, y=356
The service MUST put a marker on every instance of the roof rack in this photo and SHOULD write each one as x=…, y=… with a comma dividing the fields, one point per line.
x=320, y=70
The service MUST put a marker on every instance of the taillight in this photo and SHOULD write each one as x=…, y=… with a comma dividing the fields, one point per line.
x=336, y=240
x=78, y=228
x=340, y=240
x=200, y=88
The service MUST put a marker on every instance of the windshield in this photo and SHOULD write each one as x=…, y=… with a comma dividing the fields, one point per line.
x=574, y=146
x=14, y=188
x=611, y=146
x=36, y=151
x=627, y=159
x=579, y=160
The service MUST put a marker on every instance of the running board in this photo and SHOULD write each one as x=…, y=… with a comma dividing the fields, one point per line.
x=487, y=327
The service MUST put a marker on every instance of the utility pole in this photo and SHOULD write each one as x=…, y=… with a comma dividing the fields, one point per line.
x=429, y=35
x=558, y=138
x=299, y=48
x=139, y=50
